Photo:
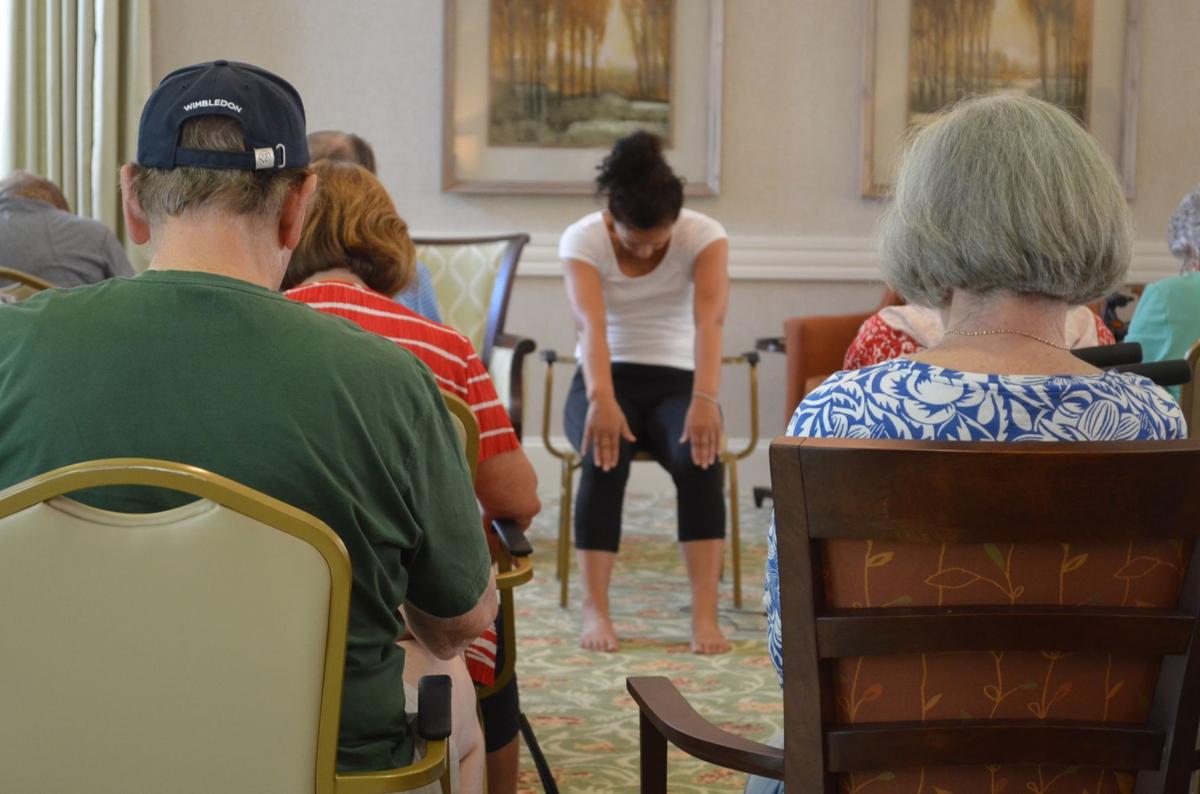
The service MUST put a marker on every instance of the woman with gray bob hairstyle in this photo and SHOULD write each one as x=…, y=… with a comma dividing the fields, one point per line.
x=1006, y=193
x=1166, y=322
x=1006, y=215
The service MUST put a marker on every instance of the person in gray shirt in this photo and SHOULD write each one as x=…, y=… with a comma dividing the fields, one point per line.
x=40, y=236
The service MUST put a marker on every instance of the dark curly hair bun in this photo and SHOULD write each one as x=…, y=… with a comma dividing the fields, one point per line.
x=643, y=191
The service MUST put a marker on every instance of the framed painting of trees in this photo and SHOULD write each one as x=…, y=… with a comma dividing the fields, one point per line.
x=921, y=56
x=537, y=91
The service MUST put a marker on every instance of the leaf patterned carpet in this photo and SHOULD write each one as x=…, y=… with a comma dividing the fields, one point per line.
x=584, y=719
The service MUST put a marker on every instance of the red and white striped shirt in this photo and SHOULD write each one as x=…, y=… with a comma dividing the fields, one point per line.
x=456, y=367
x=448, y=354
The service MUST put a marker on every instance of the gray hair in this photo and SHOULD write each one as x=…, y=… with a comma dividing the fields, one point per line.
x=163, y=192
x=1183, y=232
x=1006, y=194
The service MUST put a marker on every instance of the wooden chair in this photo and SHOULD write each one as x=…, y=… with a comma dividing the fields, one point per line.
x=1190, y=396
x=570, y=461
x=513, y=570
x=25, y=284
x=198, y=649
x=473, y=278
x=924, y=495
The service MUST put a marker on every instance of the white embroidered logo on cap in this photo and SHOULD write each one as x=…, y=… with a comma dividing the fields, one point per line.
x=211, y=103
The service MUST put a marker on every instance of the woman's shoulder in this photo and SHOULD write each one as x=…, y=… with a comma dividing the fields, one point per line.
x=586, y=240
x=697, y=230
x=908, y=399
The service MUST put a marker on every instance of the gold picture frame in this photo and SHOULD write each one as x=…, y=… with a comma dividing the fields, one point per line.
x=470, y=164
x=1112, y=86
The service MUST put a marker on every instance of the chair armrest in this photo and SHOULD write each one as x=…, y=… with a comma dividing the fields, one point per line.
x=507, y=368
x=1165, y=373
x=771, y=344
x=433, y=725
x=433, y=707
x=674, y=718
x=512, y=537
x=515, y=567
x=1104, y=356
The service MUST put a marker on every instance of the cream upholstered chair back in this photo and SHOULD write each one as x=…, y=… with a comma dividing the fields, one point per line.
x=467, y=427
x=473, y=279
x=198, y=649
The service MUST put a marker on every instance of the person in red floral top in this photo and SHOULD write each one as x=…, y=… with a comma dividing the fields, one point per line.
x=898, y=331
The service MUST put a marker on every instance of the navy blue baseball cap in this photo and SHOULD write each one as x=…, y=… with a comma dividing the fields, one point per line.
x=267, y=107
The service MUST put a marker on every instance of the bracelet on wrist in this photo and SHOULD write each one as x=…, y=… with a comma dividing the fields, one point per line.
x=706, y=396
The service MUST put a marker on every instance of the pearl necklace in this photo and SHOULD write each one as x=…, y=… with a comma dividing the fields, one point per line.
x=991, y=331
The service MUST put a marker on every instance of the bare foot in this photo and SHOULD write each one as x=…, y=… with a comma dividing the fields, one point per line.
x=597, y=633
x=707, y=638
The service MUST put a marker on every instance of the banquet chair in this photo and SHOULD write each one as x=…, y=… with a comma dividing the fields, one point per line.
x=473, y=278
x=22, y=284
x=1190, y=396
x=512, y=552
x=197, y=649
x=846, y=511
x=570, y=461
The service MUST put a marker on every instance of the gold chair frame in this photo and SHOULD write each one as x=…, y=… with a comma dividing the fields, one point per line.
x=512, y=572
x=26, y=283
x=1189, y=394
x=291, y=521
x=570, y=461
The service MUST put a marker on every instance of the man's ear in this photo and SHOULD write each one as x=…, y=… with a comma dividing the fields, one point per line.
x=295, y=207
x=136, y=223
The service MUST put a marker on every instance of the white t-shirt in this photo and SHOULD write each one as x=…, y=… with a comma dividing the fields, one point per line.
x=650, y=318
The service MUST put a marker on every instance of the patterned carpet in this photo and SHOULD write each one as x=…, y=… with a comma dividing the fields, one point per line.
x=584, y=719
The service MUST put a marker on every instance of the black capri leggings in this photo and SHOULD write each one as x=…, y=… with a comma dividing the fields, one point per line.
x=655, y=402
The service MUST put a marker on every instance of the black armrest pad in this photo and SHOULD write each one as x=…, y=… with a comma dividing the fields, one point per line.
x=771, y=344
x=433, y=707
x=512, y=537
x=1164, y=373
x=1104, y=356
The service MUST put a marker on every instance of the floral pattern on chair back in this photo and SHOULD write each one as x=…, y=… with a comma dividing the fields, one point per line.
x=463, y=277
x=1015, y=685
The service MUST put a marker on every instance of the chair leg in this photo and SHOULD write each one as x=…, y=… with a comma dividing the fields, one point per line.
x=564, y=532
x=735, y=533
x=653, y=758
x=563, y=509
x=539, y=759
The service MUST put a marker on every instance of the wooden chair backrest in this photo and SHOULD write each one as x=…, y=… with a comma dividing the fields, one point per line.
x=828, y=490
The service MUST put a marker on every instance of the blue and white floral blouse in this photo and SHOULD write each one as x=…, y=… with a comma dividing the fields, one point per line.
x=904, y=399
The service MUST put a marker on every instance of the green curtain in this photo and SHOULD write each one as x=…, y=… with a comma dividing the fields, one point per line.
x=78, y=75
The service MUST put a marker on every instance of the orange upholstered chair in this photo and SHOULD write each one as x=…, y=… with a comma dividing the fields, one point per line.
x=816, y=346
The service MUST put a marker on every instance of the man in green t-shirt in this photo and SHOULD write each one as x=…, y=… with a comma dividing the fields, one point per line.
x=200, y=361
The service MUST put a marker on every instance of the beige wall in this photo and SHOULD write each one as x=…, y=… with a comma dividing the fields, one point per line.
x=800, y=232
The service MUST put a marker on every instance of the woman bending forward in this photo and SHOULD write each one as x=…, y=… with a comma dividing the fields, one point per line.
x=648, y=286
